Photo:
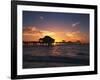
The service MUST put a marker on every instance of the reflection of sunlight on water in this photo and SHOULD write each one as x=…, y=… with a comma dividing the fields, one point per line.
x=71, y=51
x=60, y=51
x=55, y=51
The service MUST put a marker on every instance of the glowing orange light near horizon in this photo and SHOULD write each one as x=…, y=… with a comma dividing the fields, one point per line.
x=33, y=34
x=73, y=36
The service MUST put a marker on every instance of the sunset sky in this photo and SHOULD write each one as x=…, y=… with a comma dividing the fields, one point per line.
x=60, y=26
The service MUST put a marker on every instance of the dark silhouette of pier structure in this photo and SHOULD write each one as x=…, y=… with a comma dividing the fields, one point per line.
x=37, y=43
x=40, y=43
x=49, y=41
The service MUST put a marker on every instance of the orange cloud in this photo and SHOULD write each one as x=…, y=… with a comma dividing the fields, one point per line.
x=31, y=33
x=73, y=34
x=77, y=35
x=49, y=33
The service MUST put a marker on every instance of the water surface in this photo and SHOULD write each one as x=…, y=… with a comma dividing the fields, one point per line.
x=51, y=56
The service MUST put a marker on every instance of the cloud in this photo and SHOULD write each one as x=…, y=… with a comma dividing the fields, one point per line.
x=49, y=33
x=75, y=24
x=73, y=33
x=31, y=33
x=73, y=36
x=31, y=29
x=77, y=35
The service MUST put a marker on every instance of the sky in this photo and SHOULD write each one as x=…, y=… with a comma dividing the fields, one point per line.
x=60, y=26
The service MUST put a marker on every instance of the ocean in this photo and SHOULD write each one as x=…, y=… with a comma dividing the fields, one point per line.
x=55, y=56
